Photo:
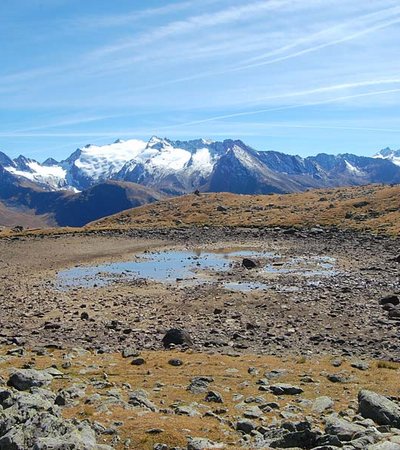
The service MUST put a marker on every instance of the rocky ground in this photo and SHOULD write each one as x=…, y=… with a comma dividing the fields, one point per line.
x=338, y=314
x=280, y=367
x=76, y=399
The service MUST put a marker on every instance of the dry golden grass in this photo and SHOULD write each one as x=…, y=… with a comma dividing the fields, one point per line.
x=230, y=377
x=371, y=208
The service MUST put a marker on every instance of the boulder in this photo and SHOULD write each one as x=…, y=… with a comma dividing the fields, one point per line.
x=177, y=336
x=321, y=404
x=300, y=439
x=245, y=426
x=25, y=379
x=378, y=408
x=342, y=428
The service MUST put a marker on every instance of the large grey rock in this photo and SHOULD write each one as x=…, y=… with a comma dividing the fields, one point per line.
x=25, y=379
x=387, y=445
x=46, y=431
x=139, y=398
x=378, y=408
x=300, y=439
x=199, y=385
x=342, y=428
x=321, y=404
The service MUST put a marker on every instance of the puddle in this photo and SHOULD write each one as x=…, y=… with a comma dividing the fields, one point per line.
x=195, y=267
x=245, y=286
x=167, y=267
x=304, y=266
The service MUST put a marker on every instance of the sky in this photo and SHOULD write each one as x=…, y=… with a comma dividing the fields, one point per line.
x=296, y=76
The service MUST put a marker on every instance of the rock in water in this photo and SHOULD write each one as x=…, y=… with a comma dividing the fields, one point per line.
x=378, y=408
x=176, y=336
x=249, y=263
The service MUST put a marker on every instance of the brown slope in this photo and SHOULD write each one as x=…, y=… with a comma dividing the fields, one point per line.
x=374, y=208
x=11, y=217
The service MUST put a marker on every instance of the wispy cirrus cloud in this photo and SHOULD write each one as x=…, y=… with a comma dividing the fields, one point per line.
x=184, y=66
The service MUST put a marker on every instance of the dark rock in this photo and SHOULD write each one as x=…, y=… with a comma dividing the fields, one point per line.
x=300, y=439
x=177, y=336
x=245, y=426
x=393, y=299
x=175, y=362
x=285, y=389
x=249, y=263
x=138, y=362
x=394, y=313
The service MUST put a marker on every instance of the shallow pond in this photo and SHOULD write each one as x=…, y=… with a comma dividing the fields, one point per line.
x=195, y=267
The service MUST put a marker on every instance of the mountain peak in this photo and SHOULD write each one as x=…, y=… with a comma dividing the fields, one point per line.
x=390, y=155
x=157, y=142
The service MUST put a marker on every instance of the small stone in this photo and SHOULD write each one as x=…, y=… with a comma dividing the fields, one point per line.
x=138, y=362
x=175, y=362
x=360, y=365
x=285, y=389
x=213, y=396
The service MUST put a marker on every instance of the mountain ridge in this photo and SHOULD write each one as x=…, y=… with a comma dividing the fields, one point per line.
x=179, y=167
x=95, y=181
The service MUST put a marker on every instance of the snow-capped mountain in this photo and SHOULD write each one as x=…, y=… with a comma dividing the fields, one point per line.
x=178, y=167
x=390, y=155
x=51, y=176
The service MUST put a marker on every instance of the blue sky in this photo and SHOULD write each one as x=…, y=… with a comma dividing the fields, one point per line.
x=289, y=75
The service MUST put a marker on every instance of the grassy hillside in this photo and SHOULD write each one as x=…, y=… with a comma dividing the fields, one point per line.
x=374, y=208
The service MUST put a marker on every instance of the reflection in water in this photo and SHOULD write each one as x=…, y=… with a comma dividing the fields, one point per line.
x=195, y=267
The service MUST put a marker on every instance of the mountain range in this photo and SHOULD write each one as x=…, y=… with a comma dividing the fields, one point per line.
x=95, y=181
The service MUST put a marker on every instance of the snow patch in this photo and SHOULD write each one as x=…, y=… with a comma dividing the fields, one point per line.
x=100, y=162
x=53, y=176
x=352, y=168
